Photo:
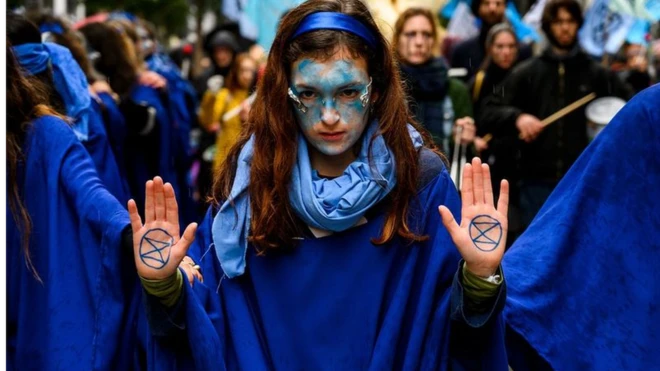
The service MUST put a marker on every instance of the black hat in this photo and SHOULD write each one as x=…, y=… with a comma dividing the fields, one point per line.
x=224, y=38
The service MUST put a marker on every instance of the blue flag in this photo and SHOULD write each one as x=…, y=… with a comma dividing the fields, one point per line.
x=604, y=31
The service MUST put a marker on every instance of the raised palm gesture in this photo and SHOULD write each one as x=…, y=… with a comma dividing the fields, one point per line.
x=157, y=248
x=481, y=236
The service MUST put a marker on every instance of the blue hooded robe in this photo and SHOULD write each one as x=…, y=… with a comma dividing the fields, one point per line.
x=182, y=105
x=584, y=289
x=99, y=147
x=76, y=317
x=115, y=127
x=71, y=85
x=336, y=303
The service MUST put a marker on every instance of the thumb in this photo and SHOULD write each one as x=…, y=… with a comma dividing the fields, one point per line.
x=449, y=222
x=181, y=248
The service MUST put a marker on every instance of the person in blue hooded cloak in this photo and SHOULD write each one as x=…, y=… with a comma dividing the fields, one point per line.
x=57, y=68
x=69, y=268
x=149, y=148
x=583, y=292
x=325, y=246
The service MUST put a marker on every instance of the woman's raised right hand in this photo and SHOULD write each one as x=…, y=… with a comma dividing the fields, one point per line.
x=158, y=250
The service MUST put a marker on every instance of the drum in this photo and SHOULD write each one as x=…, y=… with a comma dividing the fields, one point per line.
x=600, y=112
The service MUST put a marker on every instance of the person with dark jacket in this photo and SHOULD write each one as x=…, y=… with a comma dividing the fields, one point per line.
x=542, y=86
x=499, y=151
x=470, y=53
x=437, y=101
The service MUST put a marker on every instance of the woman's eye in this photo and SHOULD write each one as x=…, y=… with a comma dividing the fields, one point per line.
x=349, y=93
x=307, y=94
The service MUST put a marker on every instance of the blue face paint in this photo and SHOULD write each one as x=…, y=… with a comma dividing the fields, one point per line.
x=331, y=113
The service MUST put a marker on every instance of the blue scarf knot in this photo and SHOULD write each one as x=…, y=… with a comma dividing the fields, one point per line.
x=329, y=204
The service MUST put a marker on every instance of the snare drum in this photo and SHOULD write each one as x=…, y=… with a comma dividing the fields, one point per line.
x=600, y=112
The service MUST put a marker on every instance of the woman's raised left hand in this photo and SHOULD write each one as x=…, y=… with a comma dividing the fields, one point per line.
x=481, y=236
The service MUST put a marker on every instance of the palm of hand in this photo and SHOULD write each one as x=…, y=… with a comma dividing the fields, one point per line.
x=157, y=247
x=481, y=236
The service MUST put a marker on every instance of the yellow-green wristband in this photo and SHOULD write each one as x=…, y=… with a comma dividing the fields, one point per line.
x=168, y=290
x=477, y=290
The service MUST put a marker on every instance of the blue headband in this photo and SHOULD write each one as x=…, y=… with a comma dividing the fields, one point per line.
x=68, y=80
x=335, y=21
x=52, y=28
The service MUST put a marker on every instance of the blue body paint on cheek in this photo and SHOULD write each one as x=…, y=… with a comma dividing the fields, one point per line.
x=328, y=80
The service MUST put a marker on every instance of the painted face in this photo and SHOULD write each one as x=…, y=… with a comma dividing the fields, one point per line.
x=332, y=113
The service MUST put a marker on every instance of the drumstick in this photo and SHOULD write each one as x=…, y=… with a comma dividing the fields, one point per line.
x=566, y=110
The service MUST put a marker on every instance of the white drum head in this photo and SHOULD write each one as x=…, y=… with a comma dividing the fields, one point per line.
x=602, y=110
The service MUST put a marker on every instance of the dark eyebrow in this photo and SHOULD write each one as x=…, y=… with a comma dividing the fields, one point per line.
x=351, y=84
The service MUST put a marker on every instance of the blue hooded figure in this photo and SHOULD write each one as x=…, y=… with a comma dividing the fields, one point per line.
x=583, y=290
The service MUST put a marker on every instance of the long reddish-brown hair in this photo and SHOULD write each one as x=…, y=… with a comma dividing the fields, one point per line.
x=275, y=129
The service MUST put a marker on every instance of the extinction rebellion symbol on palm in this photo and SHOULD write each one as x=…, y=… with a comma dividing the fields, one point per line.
x=485, y=232
x=154, y=246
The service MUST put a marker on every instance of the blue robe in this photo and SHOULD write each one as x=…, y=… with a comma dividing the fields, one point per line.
x=583, y=279
x=99, y=148
x=75, y=318
x=137, y=155
x=115, y=127
x=182, y=105
x=337, y=302
x=170, y=154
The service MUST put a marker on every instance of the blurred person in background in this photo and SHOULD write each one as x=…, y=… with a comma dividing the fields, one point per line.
x=541, y=86
x=107, y=127
x=470, y=53
x=151, y=145
x=499, y=149
x=239, y=85
x=230, y=101
x=437, y=101
x=635, y=72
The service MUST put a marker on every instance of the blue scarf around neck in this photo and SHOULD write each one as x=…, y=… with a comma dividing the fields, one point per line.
x=328, y=204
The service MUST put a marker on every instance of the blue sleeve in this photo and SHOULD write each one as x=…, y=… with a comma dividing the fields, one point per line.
x=472, y=333
x=476, y=339
x=173, y=345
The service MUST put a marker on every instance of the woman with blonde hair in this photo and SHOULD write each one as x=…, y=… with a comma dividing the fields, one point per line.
x=226, y=120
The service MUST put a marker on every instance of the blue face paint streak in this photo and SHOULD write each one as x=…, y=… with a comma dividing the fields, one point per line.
x=330, y=89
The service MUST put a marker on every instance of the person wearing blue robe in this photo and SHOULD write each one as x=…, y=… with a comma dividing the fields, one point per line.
x=182, y=104
x=346, y=304
x=67, y=299
x=331, y=294
x=154, y=155
x=150, y=147
x=98, y=145
x=70, y=84
x=115, y=126
x=583, y=291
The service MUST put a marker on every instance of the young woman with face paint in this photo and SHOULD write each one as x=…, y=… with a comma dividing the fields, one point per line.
x=325, y=246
